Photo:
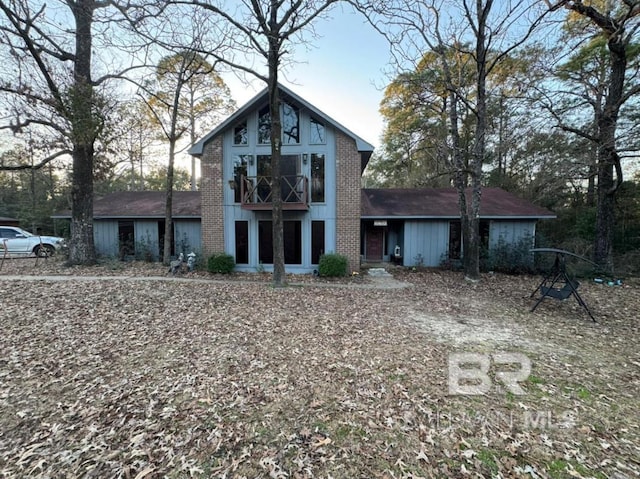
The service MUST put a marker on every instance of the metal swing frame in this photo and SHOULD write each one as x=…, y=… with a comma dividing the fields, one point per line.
x=558, y=275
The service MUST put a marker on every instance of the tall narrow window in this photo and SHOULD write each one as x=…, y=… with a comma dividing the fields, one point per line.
x=317, y=241
x=265, y=242
x=485, y=228
x=317, y=134
x=290, y=124
x=292, y=233
x=240, y=134
x=264, y=126
x=239, y=171
x=317, y=178
x=455, y=239
x=263, y=181
x=242, y=242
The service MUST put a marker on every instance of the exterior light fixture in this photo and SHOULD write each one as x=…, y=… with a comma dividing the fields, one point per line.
x=305, y=158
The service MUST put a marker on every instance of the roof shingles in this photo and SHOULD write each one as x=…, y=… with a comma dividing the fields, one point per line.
x=443, y=203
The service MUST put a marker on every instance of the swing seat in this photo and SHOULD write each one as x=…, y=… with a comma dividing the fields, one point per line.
x=560, y=293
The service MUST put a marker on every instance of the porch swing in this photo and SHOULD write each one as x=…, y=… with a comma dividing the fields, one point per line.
x=557, y=284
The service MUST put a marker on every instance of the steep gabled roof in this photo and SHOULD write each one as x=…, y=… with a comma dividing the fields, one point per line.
x=364, y=148
x=443, y=203
x=143, y=204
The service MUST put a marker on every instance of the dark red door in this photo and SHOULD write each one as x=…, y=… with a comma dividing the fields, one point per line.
x=375, y=237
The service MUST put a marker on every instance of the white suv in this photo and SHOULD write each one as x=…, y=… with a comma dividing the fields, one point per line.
x=19, y=241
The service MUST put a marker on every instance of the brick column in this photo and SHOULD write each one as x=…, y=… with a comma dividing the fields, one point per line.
x=212, y=198
x=348, y=200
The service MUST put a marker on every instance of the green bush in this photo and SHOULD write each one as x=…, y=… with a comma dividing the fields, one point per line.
x=221, y=263
x=333, y=265
x=509, y=258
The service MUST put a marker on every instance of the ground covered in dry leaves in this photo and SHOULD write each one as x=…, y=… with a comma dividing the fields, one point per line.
x=128, y=377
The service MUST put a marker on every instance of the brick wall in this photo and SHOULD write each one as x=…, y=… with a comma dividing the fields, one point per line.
x=212, y=198
x=348, y=200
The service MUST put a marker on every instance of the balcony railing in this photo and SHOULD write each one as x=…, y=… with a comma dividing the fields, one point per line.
x=256, y=192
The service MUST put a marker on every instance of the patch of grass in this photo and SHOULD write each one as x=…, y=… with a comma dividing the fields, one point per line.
x=487, y=458
x=560, y=469
x=533, y=379
x=584, y=393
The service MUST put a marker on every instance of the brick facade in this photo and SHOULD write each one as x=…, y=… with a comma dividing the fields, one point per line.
x=348, y=200
x=212, y=198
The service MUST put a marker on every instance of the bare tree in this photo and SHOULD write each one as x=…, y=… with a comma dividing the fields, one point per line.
x=481, y=31
x=264, y=28
x=48, y=86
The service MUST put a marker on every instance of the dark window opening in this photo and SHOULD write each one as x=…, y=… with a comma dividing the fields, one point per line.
x=240, y=134
x=317, y=178
x=239, y=170
x=292, y=236
x=317, y=241
x=455, y=239
x=265, y=239
x=126, y=239
x=292, y=232
x=242, y=242
x=485, y=227
x=264, y=126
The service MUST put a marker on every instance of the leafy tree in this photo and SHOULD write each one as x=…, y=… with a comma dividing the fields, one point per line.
x=603, y=74
x=171, y=99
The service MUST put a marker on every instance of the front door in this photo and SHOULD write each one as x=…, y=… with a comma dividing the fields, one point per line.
x=375, y=240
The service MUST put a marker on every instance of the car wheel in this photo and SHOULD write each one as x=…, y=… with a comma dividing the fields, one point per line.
x=44, y=251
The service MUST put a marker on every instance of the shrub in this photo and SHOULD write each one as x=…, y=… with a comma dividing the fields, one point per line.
x=332, y=265
x=221, y=263
x=509, y=258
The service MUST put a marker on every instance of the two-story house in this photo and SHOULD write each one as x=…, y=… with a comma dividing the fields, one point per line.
x=321, y=166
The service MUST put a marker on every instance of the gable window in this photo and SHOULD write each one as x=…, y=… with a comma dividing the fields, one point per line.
x=317, y=178
x=317, y=134
x=290, y=124
x=240, y=134
x=264, y=126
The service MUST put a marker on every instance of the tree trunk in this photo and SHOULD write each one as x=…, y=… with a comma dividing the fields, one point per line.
x=81, y=245
x=608, y=159
x=276, y=147
x=168, y=210
x=472, y=249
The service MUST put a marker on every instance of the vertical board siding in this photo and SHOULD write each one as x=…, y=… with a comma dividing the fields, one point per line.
x=105, y=237
x=426, y=239
x=188, y=234
x=146, y=238
x=510, y=232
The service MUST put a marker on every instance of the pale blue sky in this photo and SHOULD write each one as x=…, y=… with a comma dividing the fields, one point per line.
x=342, y=74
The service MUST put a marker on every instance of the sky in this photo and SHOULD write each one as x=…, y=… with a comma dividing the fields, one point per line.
x=342, y=73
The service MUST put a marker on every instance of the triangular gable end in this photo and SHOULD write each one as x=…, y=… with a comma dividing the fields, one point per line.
x=364, y=148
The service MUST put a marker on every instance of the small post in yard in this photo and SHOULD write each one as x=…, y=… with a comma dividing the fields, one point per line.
x=5, y=253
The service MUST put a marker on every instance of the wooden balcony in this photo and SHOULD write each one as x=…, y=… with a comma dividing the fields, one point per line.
x=256, y=192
